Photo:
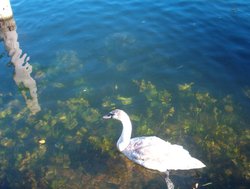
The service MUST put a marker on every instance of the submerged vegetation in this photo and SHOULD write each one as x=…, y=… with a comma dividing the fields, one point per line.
x=68, y=145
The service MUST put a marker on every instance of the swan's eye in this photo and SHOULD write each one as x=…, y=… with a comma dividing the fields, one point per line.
x=108, y=116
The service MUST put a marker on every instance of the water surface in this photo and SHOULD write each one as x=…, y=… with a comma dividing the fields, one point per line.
x=180, y=69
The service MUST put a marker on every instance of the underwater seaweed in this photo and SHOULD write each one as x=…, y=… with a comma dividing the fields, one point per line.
x=201, y=121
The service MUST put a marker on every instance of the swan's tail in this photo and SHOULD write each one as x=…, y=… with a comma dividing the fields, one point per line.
x=189, y=163
x=196, y=164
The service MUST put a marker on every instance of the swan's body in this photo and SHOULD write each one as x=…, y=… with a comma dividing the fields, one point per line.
x=155, y=153
x=152, y=152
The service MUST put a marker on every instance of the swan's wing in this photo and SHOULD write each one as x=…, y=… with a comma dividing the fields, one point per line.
x=155, y=153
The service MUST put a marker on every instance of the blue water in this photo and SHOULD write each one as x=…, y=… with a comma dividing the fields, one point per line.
x=96, y=49
x=174, y=42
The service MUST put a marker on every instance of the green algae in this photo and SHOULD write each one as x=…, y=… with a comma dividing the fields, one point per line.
x=108, y=103
x=5, y=113
x=124, y=100
x=7, y=142
x=185, y=86
x=210, y=123
x=91, y=115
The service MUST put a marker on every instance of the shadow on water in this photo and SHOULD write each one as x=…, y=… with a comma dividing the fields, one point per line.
x=87, y=156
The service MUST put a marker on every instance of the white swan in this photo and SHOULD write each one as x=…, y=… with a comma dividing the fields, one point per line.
x=152, y=152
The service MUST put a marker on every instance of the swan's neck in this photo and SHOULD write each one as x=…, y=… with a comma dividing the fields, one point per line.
x=124, y=139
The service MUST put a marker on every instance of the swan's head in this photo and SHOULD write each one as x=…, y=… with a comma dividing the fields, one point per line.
x=114, y=114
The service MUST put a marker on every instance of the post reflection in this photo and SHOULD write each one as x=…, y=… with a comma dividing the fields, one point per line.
x=20, y=60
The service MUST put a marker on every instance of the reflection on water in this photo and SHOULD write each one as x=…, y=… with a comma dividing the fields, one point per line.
x=23, y=69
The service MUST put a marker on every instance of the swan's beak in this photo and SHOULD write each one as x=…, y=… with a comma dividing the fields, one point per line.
x=108, y=116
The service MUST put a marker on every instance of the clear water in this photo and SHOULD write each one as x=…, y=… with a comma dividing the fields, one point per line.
x=180, y=69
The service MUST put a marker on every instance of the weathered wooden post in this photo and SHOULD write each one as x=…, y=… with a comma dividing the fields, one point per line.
x=5, y=10
x=6, y=15
x=20, y=61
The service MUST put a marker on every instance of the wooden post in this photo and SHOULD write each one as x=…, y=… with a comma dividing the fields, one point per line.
x=5, y=10
x=7, y=23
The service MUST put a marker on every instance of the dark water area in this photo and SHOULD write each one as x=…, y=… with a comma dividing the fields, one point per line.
x=180, y=69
